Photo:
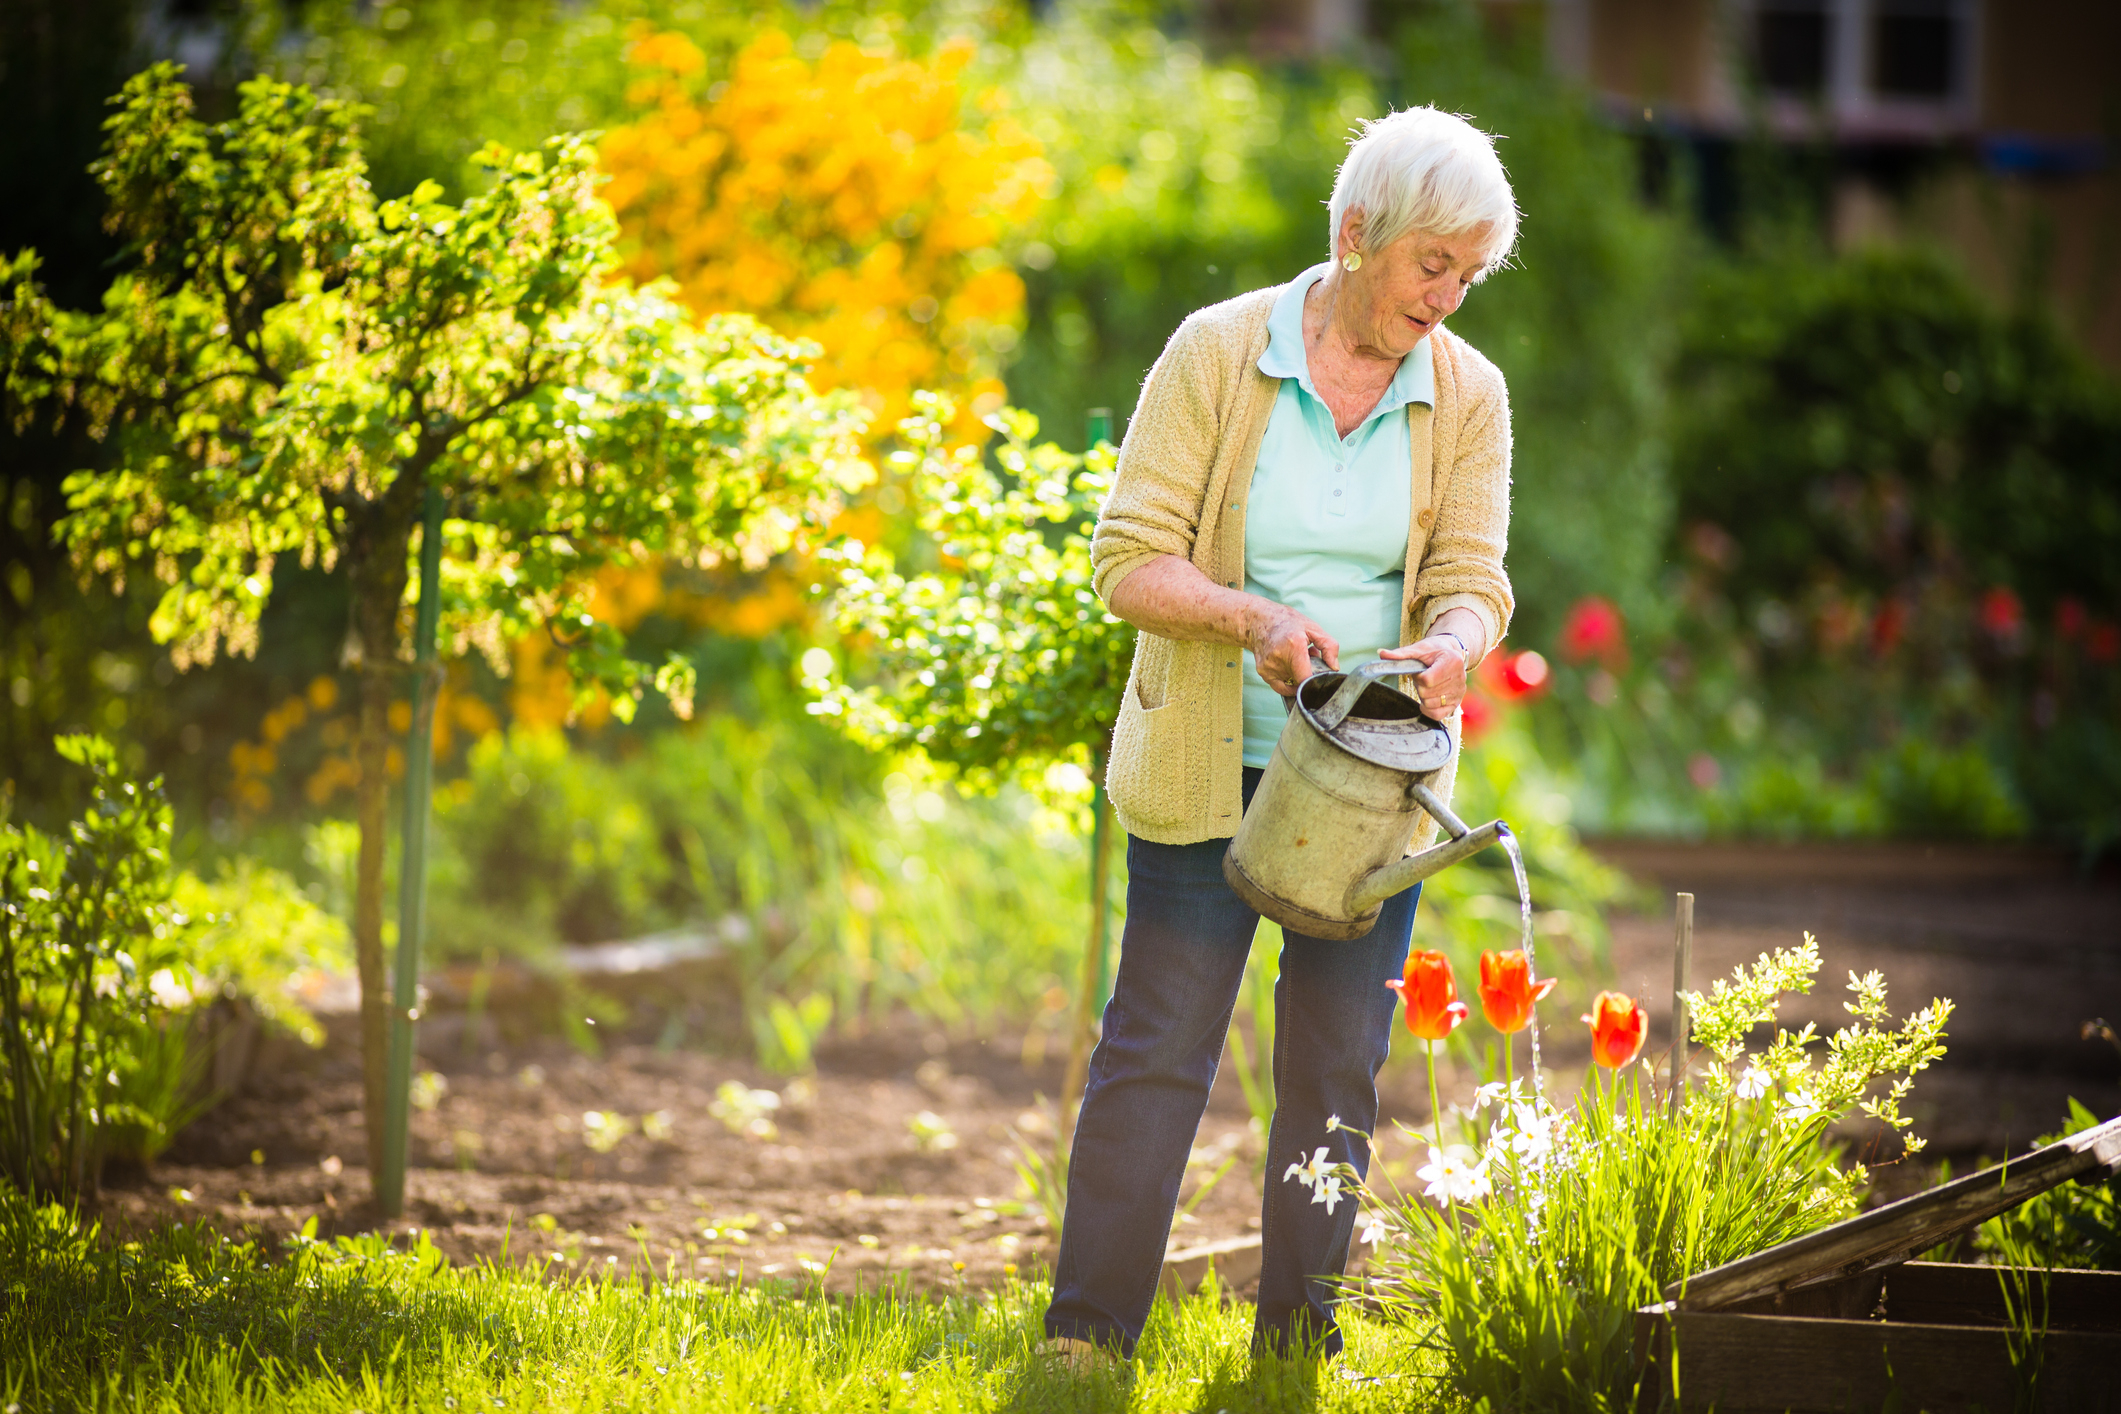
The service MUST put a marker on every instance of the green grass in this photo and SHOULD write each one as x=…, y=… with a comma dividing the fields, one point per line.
x=183, y=1319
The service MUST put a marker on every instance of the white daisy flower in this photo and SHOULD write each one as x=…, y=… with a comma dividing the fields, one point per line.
x=1453, y=1176
x=1327, y=1191
x=1311, y=1172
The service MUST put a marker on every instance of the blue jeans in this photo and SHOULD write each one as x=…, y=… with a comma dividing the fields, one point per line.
x=1182, y=960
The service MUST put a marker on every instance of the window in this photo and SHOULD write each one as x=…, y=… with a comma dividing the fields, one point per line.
x=1790, y=43
x=1914, y=46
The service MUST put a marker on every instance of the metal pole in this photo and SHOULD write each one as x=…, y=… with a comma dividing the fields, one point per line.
x=1101, y=894
x=1682, y=956
x=412, y=866
x=1100, y=430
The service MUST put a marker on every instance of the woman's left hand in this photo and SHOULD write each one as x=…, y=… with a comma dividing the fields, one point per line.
x=1443, y=686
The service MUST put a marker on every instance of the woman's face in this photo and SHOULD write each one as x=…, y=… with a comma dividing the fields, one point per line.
x=1405, y=291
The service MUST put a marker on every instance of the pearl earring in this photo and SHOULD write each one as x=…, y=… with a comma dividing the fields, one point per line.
x=1352, y=261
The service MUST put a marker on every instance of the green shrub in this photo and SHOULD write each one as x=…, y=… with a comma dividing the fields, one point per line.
x=104, y=963
x=1789, y=797
x=252, y=934
x=2074, y=1225
x=1924, y=791
x=93, y=1011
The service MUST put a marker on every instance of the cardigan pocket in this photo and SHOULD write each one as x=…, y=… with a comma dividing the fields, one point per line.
x=1150, y=775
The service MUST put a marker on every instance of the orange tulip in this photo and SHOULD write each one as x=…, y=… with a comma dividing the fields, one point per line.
x=1618, y=1026
x=1507, y=990
x=1431, y=995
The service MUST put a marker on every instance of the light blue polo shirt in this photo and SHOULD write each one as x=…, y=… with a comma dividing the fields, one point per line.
x=1326, y=530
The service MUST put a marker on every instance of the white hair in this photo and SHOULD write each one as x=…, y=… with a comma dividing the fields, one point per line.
x=1422, y=169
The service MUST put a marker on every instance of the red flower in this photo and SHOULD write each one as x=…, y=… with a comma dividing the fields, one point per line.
x=1507, y=990
x=1618, y=1027
x=1595, y=629
x=1888, y=627
x=2103, y=643
x=2001, y=613
x=1431, y=995
x=1514, y=676
x=2069, y=618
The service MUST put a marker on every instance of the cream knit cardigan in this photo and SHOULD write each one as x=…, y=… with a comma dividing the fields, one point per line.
x=1184, y=475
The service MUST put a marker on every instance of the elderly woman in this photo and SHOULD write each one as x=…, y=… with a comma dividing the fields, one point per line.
x=1318, y=469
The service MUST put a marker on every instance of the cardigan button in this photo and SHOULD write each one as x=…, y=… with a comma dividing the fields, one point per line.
x=1426, y=517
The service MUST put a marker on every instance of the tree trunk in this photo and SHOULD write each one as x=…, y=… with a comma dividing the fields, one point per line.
x=379, y=537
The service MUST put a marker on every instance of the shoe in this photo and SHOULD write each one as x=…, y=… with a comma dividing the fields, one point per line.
x=1078, y=1357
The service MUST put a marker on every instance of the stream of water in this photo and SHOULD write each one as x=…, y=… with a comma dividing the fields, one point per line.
x=1509, y=844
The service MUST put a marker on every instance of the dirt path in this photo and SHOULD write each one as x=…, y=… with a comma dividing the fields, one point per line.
x=534, y=1150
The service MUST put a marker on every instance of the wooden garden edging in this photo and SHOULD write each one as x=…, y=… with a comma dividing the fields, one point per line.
x=1841, y=1319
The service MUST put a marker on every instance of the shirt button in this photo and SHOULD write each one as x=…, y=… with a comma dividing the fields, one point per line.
x=1426, y=517
x=1336, y=490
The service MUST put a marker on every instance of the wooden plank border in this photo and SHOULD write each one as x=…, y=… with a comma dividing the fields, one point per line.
x=1898, y=1231
x=1738, y=1364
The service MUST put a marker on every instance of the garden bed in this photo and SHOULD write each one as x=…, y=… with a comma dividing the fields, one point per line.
x=501, y=1160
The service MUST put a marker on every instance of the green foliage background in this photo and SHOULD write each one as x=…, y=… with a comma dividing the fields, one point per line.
x=1660, y=381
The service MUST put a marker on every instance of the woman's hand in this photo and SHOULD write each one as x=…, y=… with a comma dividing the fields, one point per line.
x=1443, y=686
x=1282, y=642
x=1171, y=597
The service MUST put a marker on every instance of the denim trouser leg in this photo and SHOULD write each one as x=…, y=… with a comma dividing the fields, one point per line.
x=1182, y=960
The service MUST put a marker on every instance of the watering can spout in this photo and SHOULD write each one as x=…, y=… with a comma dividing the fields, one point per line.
x=1380, y=884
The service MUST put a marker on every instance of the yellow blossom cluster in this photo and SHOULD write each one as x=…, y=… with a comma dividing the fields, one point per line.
x=858, y=200
x=255, y=765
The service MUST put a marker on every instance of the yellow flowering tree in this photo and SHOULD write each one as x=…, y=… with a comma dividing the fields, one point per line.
x=859, y=200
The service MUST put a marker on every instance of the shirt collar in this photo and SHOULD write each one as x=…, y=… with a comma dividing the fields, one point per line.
x=1415, y=382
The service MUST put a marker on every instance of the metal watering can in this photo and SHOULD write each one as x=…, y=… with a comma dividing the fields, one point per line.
x=1324, y=843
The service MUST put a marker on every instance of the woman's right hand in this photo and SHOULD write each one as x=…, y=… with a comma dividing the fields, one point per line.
x=1282, y=643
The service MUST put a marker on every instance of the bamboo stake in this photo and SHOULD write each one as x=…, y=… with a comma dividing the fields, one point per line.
x=389, y=1184
x=1682, y=956
x=1093, y=969
x=1094, y=989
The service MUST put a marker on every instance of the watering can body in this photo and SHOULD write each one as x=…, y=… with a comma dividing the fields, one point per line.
x=1324, y=842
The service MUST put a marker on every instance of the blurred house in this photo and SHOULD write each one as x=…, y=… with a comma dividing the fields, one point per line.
x=1991, y=125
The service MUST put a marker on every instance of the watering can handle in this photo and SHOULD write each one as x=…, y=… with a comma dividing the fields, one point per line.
x=1354, y=684
x=1318, y=665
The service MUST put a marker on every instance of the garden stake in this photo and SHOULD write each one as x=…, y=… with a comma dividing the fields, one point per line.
x=1093, y=968
x=1100, y=430
x=1097, y=964
x=1682, y=953
x=412, y=867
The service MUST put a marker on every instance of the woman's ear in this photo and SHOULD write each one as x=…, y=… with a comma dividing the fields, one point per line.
x=1350, y=231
